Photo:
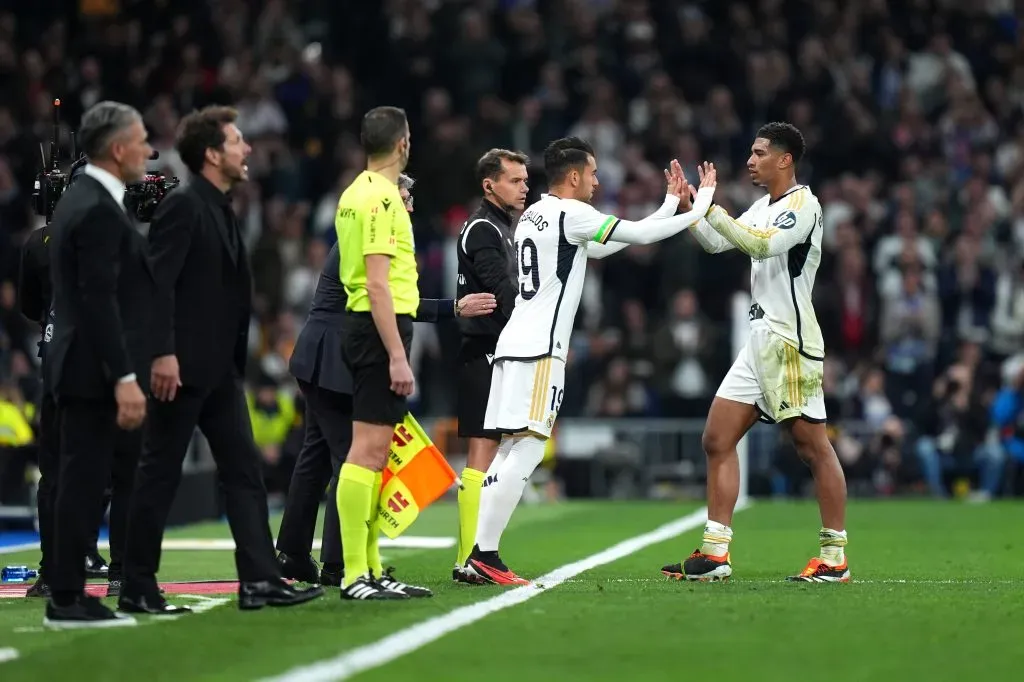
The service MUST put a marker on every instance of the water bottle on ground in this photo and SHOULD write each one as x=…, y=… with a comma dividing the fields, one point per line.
x=17, y=574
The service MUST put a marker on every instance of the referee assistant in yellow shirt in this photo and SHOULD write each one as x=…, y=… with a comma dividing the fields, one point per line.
x=378, y=271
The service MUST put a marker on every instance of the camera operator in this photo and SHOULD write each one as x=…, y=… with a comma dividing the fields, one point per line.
x=102, y=293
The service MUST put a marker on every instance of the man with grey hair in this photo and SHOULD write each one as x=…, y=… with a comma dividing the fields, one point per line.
x=326, y=384
x=100, y=350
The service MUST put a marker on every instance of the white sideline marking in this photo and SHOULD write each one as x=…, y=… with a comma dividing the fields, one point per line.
x=853, y=581
x=414, y=637
x=8, y=655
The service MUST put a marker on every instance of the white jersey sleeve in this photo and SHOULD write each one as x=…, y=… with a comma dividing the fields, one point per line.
x=585, y=224
x=787, y=229
x=667, y=209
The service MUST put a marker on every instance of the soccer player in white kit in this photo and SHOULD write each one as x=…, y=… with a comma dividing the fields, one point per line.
x=778, y=374
x=553, y=239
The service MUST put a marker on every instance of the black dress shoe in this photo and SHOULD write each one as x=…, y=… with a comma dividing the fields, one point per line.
x=331, y=575
x=256, y=595
x=96, y=566
x=153, y=605
x=304, y=569
x=39, y=589
x=86, y=612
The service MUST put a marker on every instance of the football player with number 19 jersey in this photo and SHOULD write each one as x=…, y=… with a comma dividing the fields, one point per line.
x=553, y=239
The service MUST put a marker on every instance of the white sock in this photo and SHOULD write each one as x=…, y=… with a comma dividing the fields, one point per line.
x=832, y=544
x=716, y=539
x=499, y=499
x=503, y=449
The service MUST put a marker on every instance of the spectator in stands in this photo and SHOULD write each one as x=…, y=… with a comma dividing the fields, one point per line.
x=909, y=331
x=272, y=412
x=1008, y=418
x=955, y=437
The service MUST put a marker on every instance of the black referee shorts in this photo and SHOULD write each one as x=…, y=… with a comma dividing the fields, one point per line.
x=474, y=386
x=373, y=401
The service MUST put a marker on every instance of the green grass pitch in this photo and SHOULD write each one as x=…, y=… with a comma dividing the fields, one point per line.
x=938, y=594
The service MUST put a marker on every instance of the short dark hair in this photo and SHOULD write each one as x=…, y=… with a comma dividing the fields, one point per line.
x=382, y=128
x=101, y=123
x=564, y=155
x=784, y=136
x=202, y=130
x=490, y=167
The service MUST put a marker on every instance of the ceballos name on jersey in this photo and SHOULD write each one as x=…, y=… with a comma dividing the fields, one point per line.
x=536, y=218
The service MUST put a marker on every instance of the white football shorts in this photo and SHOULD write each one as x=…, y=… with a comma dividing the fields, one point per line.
x=525, y=395
x=770, y=374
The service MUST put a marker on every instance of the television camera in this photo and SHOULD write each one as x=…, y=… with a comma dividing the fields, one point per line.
x=140, y=198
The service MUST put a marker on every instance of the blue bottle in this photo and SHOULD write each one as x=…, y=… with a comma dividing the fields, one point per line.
x=17, y=574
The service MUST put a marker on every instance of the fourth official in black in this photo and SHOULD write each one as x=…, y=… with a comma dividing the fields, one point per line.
x=487, y=264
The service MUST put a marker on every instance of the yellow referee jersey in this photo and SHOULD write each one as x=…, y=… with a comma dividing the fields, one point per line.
x=372, y=219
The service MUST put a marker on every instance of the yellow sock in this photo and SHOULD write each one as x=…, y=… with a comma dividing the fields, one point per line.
x=469, y=511
x=372, y=539
x=355, y=494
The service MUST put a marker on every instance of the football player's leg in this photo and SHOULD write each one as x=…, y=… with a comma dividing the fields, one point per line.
x=525, y=398
x=814, y=448
x=798, y=402
x=733, y=412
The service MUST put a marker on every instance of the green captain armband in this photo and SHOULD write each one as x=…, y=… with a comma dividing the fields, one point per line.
x=604, y=232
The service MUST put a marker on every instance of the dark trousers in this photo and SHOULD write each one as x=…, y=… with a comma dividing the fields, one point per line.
x=325, y=446
x=223, y=417
x=93, y=452
x=126, y=459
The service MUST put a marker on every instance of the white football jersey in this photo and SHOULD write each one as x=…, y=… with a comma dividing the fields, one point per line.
x=551, y=241
x=783, y=240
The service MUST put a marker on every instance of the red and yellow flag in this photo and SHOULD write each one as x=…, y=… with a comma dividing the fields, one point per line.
x=416, y=476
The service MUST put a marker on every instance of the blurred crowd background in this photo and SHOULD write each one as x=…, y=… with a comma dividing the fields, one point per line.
x=913, y=112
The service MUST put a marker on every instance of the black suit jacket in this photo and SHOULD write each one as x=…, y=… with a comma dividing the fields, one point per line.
x=204, y=286
x=102, y=295
x=316, y=358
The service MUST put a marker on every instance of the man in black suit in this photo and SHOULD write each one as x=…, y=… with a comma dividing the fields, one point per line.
x=102, y=295
x=35, y=293
x=326, y=384
x=201, y=327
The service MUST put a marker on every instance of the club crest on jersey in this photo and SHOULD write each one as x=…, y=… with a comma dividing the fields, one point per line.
x=785, y=220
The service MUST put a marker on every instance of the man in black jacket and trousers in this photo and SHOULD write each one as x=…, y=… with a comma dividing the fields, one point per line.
x=487, y=263
x=35, y=293
x=326, y=384
x=201, y=329
x=102, y=295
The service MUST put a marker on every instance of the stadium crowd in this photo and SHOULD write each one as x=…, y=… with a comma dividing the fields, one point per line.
x=913, y=111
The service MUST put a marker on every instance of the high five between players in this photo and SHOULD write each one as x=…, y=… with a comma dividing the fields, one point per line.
x=553, y=239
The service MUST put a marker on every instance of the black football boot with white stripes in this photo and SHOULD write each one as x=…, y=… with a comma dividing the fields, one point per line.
x=365, y=588
x=414, y=591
